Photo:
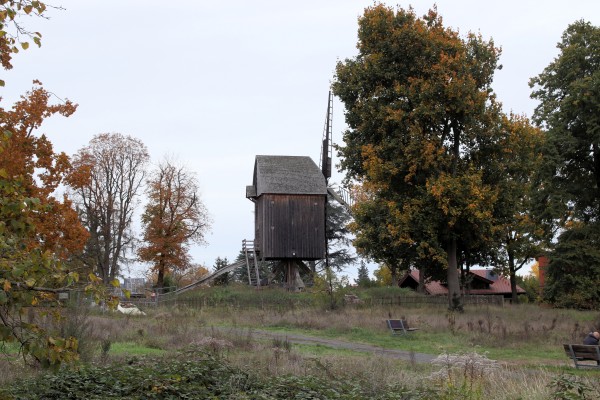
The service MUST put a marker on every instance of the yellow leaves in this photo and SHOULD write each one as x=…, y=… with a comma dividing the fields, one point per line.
x=6, y=286
x=115, y=283
x=464, y=198
x=94, y=279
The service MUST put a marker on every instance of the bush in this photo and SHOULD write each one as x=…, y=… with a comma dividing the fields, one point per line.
x=195, y=375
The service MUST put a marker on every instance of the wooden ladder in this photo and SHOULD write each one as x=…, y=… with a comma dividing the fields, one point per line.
x=251, y=262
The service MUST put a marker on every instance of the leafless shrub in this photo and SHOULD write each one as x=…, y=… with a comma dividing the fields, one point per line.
x=217, y=347
x=462, y=375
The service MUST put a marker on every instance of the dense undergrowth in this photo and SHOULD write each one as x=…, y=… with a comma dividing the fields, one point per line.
x=193, y=376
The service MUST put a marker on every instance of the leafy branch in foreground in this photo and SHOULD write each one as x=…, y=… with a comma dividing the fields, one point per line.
x=15, y=36
x=39, y=234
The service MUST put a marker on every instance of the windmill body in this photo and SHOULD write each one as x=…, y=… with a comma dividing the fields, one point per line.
x=289, y=194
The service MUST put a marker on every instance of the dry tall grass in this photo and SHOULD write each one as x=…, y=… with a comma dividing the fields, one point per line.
x=179, y=328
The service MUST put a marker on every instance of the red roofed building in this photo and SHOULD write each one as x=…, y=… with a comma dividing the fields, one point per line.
x=483, y=282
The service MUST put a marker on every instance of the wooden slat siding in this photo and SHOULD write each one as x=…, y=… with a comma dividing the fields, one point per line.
x=290, y=224
x=258, y=239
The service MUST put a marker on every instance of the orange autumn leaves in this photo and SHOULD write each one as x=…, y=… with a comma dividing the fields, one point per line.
x=40, y=171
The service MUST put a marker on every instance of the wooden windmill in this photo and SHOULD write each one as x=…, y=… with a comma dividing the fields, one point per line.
x=290, y=198
x=289, y=194
x=290, y=201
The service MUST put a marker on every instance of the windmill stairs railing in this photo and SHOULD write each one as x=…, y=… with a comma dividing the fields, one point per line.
x=342, y=196
x=205, y=279
x=252, y=262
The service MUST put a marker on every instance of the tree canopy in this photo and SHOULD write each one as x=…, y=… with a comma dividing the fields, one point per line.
x=423, y=123
x=569, y=93
x=174, y=217
x=116, y=165
x=569, y=178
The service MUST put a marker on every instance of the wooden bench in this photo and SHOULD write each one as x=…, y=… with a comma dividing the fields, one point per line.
x=580, y=353
x=399, y=326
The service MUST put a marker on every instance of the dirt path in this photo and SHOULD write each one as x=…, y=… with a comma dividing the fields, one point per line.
x=338, y=344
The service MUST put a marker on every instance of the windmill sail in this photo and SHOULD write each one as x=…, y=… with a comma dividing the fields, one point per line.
x=326, y=146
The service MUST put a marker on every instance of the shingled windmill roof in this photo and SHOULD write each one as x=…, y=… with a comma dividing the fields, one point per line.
x=286, y=175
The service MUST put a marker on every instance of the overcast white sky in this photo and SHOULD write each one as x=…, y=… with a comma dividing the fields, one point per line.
x=215, y=83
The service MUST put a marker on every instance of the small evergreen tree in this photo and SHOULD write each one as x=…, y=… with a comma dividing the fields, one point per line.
x=363, y=279
x=221, y=263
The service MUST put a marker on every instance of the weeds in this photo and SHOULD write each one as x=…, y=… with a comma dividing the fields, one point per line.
x=462, y=376
x=508, y=333
x=104, y=349
x=569, y=387
x=217, y=347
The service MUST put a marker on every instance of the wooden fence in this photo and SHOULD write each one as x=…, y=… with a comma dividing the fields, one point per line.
x=467, y=300
x=270, y=303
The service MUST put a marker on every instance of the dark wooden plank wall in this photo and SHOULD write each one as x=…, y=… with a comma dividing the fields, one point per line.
x=291, y=226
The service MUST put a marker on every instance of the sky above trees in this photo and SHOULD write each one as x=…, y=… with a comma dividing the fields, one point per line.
x=213, y=84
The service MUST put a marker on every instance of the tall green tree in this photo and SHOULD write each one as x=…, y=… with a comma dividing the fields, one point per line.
x=420, y=109
x=337, y=233
x=569, y=192
x=573, y=275
x=569, y=94
x=521, y=234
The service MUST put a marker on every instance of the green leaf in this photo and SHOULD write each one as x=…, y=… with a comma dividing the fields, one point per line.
x=25, y=45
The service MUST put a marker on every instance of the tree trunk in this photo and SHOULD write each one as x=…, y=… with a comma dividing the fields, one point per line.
x=160, y=279
x=513, y=277
x=421, y=287
x=454, y=298
x=394, y=273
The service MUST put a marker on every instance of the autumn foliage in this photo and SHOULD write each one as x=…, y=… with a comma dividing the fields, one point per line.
x=31, y=160
x=173, y=218
x=37, y=230
x=423, y=124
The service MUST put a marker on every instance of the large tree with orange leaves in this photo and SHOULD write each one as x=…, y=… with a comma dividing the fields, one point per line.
x=31, y=160
x=38, y=231
x=174, y=217
x=423, y=127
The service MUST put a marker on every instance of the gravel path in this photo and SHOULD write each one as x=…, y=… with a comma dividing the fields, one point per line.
x=340, y=344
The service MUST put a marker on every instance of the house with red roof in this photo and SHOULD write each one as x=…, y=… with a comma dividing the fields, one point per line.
x=482, y=282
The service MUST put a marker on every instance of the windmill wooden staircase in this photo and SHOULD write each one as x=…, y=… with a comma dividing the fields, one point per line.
x=252, y=262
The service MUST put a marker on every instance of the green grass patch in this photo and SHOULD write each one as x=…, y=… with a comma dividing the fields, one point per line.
x=324, y=350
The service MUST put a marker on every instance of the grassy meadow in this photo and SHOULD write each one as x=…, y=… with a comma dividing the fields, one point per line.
x=492, y=352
